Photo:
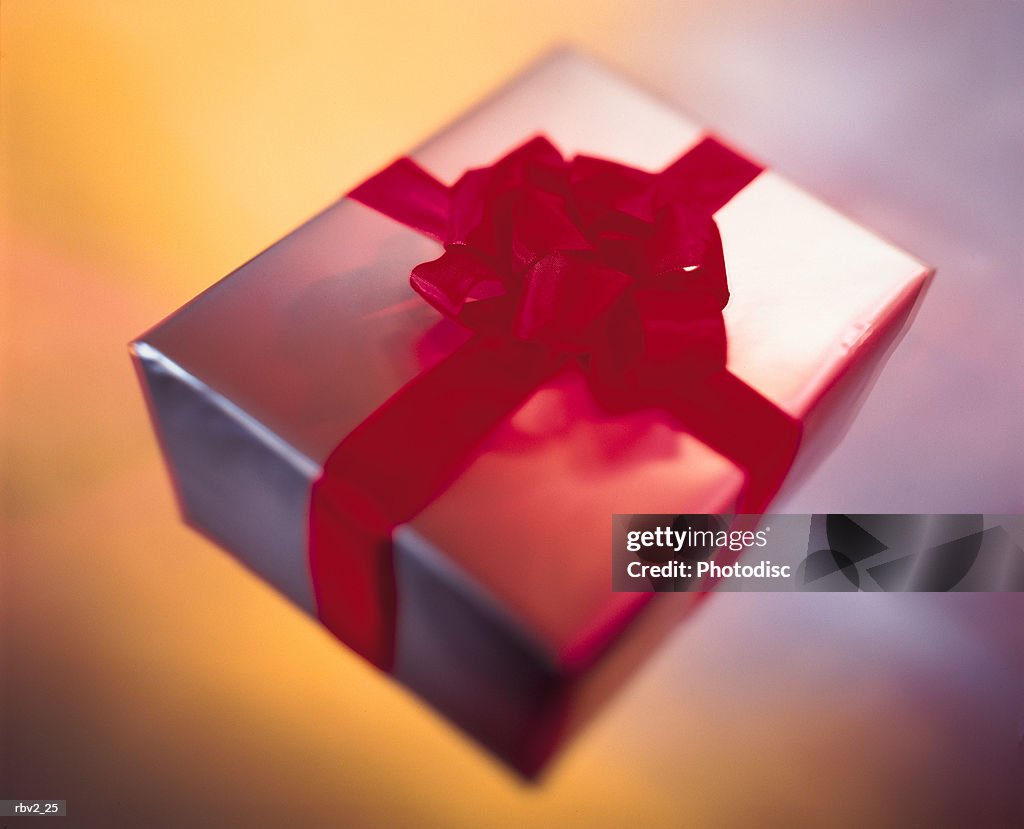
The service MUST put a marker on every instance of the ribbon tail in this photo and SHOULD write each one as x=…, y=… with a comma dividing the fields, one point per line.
x=407, y=193
x=741, y=424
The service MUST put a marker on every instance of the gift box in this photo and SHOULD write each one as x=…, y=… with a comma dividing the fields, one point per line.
x=416, y=414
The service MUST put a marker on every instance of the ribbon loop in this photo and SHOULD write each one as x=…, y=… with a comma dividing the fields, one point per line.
x=552, y=246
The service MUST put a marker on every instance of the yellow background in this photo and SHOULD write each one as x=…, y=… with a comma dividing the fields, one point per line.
x=148, y=149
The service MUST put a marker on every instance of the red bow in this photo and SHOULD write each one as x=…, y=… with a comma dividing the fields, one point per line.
x=585, y=256
x=547, y=260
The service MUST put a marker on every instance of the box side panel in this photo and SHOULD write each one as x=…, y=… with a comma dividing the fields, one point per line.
x=461, y=652
x=236, y=482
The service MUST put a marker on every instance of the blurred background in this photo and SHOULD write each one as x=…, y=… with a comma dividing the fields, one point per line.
x=149, y=148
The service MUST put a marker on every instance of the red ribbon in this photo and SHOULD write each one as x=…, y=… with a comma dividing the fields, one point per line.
x=549, y=262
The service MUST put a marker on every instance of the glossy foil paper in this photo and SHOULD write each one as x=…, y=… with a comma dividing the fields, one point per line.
x=504, y=616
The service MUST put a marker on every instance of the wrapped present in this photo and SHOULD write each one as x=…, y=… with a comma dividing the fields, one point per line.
x=416, y=414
